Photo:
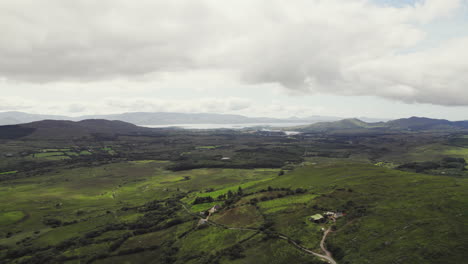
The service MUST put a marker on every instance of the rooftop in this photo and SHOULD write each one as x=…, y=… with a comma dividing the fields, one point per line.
x=317, y=216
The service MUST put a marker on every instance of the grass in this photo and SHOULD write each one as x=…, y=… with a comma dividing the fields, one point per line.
x=56, y=150
x=207, y=147
x=96, y=190
x=109, y=150
x=391, y=214
x=210, y=240
x=242, y=216
x=403, y=209
x=202, y=207
x=288, y=200
x=55, y=155
x=147, y=161
x=58, y=157
x=7, y=218
x=276, y=205
x=436, y=152
x=47, y=154
x=262, y=250
x=8, y=172
x=246, y=185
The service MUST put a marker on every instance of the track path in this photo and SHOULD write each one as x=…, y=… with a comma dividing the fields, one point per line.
x=327, y=257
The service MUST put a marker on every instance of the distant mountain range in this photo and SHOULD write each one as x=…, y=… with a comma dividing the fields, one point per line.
x=162, y=118
x=403, y=124
x=13, y=118
x=62, y=129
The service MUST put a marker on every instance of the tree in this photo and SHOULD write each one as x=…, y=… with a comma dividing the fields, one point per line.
x=300, y=190
x=240, y=192
x=253, y=201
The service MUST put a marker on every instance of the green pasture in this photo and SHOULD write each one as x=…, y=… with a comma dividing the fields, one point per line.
x=12, y=217
x=275, y=205
x=8, y=172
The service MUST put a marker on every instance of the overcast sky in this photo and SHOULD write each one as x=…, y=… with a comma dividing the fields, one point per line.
x=278, y=58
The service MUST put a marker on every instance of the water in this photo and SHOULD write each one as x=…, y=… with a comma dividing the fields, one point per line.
x=229, y=126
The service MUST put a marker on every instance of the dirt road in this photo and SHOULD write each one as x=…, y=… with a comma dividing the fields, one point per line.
x=327, y=257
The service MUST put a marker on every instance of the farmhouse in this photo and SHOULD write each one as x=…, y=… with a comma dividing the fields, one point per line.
x=317, y=218
x=338, y=214
x=334, y=215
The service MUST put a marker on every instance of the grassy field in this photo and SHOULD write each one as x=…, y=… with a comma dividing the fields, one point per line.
x=8, y=172
x=12, y=217
x=110, y=201
x=276, y=205
x=391, y=211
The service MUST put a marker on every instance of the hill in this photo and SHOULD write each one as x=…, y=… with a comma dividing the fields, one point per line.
x=345, y=124
x=14, y=117
x=52, y=129
x=164, y=118
x=403, y=124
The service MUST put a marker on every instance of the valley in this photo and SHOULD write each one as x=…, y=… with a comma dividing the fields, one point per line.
x=110, y=192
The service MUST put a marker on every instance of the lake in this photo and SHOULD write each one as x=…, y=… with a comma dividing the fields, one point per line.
x=228, y=126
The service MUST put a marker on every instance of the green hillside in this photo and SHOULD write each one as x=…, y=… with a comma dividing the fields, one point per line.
x=391, y=215
x=174, y=196
x=403, y=124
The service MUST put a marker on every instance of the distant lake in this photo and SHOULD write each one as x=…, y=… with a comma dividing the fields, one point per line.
x=228, y=126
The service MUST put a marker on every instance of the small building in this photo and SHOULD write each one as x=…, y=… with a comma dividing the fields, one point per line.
x=333, y=215
x=317, y=218
x=9, y=155
x=338, y=214
x=214, y=209
x=329, y=213
x=225, y=158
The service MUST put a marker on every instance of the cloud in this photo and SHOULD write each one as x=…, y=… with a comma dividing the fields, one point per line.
x=204, y=105
x=343, y=47
x=12, y=103
x=76, y=108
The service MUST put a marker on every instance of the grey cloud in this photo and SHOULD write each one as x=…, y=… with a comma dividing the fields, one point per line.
x=84, y=40
x=205, y=105
x=76, y=108
x=14, y=103
x=345, y=47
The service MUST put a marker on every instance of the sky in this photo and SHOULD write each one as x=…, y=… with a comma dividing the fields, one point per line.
x=275, y=58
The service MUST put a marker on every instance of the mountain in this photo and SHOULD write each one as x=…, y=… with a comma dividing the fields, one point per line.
x=403, y=124
x=351, y=123
x=14, y=117
x=53, y=129
x=168, y=118
x=162, y=118
x=422, y=123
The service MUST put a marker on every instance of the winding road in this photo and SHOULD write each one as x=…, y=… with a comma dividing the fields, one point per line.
x=327, y=257
x=324, y=249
